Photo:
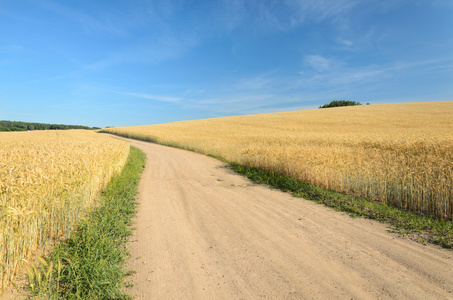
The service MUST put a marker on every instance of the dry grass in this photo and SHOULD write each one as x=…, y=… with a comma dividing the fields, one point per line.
x=47, y=181
x=398, y=154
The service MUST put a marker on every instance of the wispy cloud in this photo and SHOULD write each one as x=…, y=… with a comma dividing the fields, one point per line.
x=343, y=77
x=294, y=13
x=271, y=16
x=317, y=62
x=319, y=10
x=103, y=22
x=153, y=97
x=161, y=48
x=345, y=42
x=12, y=48
x=257, y=82
x=232, y=104
x=167, y=46
x=229, y=14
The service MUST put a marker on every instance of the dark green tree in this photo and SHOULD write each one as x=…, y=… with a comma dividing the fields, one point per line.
x=337, y=103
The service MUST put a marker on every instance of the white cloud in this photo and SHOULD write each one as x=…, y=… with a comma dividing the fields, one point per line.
x=317, y=62
x=346, y=42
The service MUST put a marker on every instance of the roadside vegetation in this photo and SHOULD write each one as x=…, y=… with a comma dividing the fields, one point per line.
x=396, y=155
x=90, y=264
x=48, y=180
x=422, y=229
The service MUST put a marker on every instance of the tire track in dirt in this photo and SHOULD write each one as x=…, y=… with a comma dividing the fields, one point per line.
x=205, y=233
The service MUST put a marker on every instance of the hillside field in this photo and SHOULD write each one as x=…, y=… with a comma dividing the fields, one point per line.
x=397, y=154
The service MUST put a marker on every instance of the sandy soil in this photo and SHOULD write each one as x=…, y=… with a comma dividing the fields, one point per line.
x=206, y=233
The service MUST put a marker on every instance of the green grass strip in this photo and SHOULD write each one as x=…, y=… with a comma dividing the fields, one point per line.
x=417, y=227
x=90, y=264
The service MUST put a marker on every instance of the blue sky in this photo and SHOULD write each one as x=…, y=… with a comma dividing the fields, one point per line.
x=136, y=62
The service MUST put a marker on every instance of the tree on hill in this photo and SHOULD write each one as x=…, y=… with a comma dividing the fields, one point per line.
x=337, y=103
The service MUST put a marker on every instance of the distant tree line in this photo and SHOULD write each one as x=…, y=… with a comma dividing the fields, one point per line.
x=336, y=103
x=24, y=126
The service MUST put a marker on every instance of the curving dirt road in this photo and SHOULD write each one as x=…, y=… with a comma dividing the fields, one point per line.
x=206, y=233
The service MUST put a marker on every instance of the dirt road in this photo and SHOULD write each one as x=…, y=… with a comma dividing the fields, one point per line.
x=205, y=233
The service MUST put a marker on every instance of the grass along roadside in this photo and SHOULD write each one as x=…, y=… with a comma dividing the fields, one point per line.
x=90, y=265
x=423, y=229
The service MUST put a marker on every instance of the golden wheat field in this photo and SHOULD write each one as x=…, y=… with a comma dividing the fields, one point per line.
x=47, y=181
x=398, y=154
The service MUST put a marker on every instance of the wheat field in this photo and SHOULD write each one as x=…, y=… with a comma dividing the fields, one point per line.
x=47, y=181
x=397, y=154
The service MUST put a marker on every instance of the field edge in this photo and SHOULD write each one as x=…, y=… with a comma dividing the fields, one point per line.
x=91, y=264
